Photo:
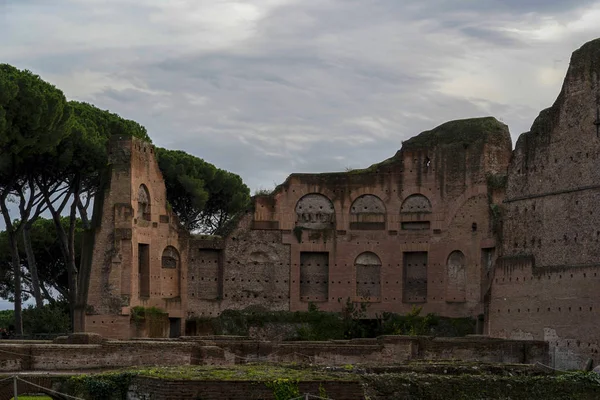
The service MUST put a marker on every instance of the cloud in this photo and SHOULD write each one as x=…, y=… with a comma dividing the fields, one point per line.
x=265, y=88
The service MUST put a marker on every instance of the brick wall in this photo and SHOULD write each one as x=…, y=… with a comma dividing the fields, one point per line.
x=148, y=388
x=431, y=197
x=545, y=284
x=140, y=252
x=253, y=270
x=385, y=350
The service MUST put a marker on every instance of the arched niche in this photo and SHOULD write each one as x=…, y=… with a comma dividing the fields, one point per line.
x=416, y=203
x=456, y=277
x=367, y=213
x=143, y=198
x=315, y=211
x=368, y=276
x=171, y=263
x=170, y=257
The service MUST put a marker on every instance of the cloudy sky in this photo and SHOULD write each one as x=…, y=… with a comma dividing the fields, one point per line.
x=264, y=88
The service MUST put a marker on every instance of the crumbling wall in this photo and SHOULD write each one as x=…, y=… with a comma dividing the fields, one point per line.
x=430, y=198
x=248, y=268
x=545, y=284
x=139, y=255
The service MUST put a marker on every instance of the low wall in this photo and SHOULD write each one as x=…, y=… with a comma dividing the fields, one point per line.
x=150, y=388
x=56, y=357
x=382, y=350
x=385, y=350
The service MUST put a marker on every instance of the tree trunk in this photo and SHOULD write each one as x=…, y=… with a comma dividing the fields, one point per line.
x=72, y=264
x=32, y=264
x=85, y=221
x=16, y=264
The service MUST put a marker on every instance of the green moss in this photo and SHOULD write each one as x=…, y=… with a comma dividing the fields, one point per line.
x=497, y=181
x=460, y=132
x=140, y=314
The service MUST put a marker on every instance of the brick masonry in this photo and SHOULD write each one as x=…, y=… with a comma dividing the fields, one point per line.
x=546, y=282
x=140, y=252
x=434, y=226
x=385, y=350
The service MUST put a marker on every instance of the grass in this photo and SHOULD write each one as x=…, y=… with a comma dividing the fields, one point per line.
x=247, y=372
x=33, y=397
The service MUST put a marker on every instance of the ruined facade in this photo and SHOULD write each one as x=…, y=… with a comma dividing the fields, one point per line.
x=140, y=252
x=456, y=222
x=546, y=282
x=413, y=230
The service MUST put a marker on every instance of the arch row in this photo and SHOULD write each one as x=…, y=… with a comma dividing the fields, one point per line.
x=367, y=212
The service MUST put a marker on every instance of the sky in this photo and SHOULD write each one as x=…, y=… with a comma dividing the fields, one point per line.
x=264, y=88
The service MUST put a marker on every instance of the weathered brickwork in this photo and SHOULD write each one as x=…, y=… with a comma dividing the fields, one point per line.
x=385, y=350
x=456, y=223
x=250, y=267
x=545, y=285
x=140, y=252
x=383, y=235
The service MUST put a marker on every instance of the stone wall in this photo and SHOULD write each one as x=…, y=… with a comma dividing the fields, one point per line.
x=327, y=238
x=545, y=284
x=429, y=200
x=385, y=350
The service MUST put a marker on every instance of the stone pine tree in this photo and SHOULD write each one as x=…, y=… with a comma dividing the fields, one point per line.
x=70, y=182
x=204, y=197
x=34, y=118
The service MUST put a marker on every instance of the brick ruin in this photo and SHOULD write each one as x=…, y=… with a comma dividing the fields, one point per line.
x=456, y=222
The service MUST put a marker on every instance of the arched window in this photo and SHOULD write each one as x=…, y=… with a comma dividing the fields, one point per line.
x=315, y=211
x=170, y=257
x=367, y=213
x=416, y=203
x=143, y=199
x=456, y=277
x=368, y=276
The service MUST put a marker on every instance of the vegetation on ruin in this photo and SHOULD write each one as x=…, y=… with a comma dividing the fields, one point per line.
x=140, y=314
x=105, y=386
x=392, y=386
x=462, y=132
x=245, y=372
x=351, y=323
x=497, y=181
x=425, y=380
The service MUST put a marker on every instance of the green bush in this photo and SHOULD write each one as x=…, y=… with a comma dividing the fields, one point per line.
x=348, y=324
x=51, y=318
